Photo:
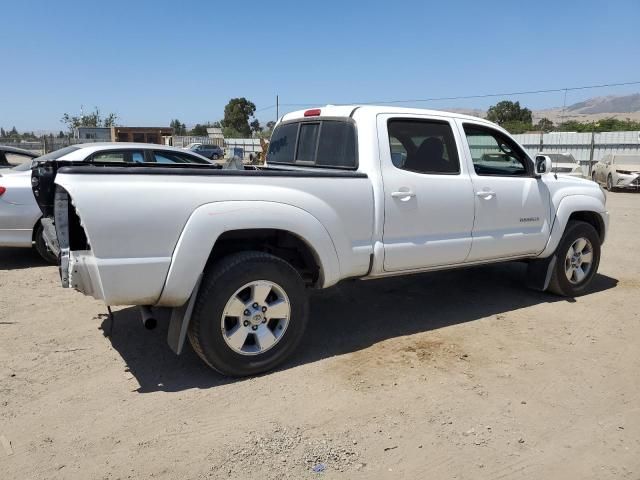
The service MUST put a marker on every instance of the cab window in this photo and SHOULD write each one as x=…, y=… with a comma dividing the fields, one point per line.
x=494, y=154
x=423, y=146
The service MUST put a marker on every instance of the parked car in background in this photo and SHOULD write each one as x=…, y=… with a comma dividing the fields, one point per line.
x=233, y=253
x=617, y=170
x=10, y=157
x=20, y=217
x=192, y=145
x=565, y=164
x=212, y=152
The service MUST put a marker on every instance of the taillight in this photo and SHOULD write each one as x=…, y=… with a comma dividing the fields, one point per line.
x=312, y=113
x=2, y=190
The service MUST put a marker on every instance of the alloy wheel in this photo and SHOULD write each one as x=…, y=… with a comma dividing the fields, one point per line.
x=578, y=261
x=256, y=317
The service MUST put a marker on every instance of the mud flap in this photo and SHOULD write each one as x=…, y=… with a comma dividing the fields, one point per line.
x=179, y=323
x=539, y=273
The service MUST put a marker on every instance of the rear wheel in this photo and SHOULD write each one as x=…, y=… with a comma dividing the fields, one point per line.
x=41, y=247
x=250, y=314
x=577, y=259
x=214, y=156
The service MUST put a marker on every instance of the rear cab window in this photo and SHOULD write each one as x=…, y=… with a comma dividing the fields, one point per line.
x=326, y=143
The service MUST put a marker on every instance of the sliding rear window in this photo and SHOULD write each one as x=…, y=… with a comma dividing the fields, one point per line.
x=318, y=143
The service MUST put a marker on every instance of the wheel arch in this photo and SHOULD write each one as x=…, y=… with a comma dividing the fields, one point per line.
x=585, y=208
x=220, y=228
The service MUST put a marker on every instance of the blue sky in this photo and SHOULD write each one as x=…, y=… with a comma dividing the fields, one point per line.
x=151, y=61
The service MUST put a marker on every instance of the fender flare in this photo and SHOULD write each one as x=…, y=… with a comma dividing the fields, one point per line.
x=209, y=221
x=567, y=206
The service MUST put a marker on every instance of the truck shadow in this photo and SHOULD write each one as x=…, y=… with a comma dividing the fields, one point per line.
x=348, y=317
x=19, y=258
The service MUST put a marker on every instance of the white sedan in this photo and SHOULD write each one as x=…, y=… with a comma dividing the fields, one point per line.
x=618, y=171
x=19, y=213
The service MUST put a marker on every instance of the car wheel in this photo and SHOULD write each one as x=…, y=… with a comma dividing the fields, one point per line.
x=42, y=249
x=593, y=177
x=577, y=259
x=250, y=314
x=609, y=183
x=214, y=156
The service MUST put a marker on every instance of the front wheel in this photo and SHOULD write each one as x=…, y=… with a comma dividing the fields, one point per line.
x=609, y=183
x=577, y=259
x=250, y=314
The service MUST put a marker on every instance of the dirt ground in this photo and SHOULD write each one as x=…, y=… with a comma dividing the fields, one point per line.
x=463, y=374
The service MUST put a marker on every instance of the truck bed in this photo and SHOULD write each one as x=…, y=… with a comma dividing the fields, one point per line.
x=150, y=229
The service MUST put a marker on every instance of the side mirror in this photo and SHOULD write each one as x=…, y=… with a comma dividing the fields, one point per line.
x=543, y=164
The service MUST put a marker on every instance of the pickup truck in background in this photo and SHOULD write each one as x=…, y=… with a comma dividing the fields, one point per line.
x=348, y=192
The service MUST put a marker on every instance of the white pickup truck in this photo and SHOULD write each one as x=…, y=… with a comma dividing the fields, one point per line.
x=349, y=192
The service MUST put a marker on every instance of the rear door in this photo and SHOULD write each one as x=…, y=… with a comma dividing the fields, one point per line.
x=512, y=206
x=428, y=196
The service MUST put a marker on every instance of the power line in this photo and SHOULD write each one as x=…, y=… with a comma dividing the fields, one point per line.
x=464, y=97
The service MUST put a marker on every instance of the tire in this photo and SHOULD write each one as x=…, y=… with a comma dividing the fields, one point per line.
x=213, y=324
x=42, y=249
x=593, y=177
x=214, y=156
x=560, y=283
x=610, y=183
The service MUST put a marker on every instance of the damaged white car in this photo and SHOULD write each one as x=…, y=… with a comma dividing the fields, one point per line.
x=618, y=171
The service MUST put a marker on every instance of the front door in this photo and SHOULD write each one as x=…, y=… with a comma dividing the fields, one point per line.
x=512, y=207
x=428, y=196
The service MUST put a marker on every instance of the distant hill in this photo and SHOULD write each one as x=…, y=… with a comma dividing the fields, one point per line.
x=593, y=109
x=610, y=104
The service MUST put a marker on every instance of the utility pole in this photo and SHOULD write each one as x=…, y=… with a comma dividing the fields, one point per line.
x=591, y=150
x=277, y=108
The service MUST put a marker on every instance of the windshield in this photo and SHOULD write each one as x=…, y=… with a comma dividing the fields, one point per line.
x=560, y=157
x=23, y=167
x=56, y=154
x=627, y=160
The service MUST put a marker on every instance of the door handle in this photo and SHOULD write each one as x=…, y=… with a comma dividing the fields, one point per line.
x=487, y=194
x=401, y=194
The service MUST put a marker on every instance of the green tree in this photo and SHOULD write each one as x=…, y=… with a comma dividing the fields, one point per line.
x=230, y=132
x=93, y=119
x=508, y=111
x=255, y=126
x=61, y=134
x=236, y=115
x=199, y=130
x=178, y=127
x=516, y=126
x=14, y=132
x=603, y=125
x=544, y=125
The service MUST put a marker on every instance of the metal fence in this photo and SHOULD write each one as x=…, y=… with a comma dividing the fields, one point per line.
x=182, y=141
x=45, y=144
x=586, y=148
